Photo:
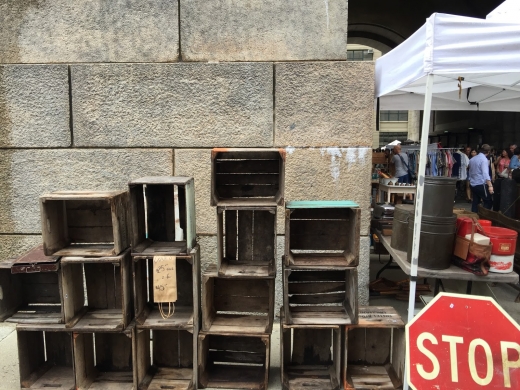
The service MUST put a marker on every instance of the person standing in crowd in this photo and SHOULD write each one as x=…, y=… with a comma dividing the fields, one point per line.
x=470, y=152
x=400, y=161
x=515, y=160
x=481, y=186
x=502, y=163
x=512, y=148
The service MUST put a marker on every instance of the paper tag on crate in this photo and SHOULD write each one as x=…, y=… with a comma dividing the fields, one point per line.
x=164, y=279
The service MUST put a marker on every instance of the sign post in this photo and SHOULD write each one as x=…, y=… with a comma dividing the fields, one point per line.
x=463, y=342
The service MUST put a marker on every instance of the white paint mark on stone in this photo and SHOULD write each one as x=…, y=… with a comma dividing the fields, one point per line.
x=335, y=160
x=351, y=155
x=327, y=12
x=362, y=153
x=290, y=149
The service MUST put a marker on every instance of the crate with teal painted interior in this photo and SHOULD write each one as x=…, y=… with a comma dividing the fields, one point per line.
x=247, y=176
x=322, y=233
x=162, y=212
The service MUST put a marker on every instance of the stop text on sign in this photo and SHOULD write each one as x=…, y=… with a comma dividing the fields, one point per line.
x=463, y=342
x=469, y=354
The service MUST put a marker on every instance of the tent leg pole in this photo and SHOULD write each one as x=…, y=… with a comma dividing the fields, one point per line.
x=418, y=208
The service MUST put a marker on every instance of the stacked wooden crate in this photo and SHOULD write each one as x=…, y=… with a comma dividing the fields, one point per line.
x=163, y=224
x=238, y=292
x=320, y=290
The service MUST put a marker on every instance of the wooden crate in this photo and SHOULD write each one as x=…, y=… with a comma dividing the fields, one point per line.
x=84, y=223
x=246, y=241
x=163, y=216
x=310, y=356
x=247, y=176
x=233, y=361
x=104, y=360
x=108, y=292
x=188, y=293
x=322, y=233
x=170, y=364
x=237, y=305
x=320, y=297
x=46, y=358
x=32, y=289
x=374, y=350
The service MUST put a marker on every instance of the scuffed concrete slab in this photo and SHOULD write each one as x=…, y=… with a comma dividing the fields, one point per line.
x=65, y=31
x=173, y=105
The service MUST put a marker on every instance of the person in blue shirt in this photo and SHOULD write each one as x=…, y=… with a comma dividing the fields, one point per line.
x=479, y=180
x=515, y=162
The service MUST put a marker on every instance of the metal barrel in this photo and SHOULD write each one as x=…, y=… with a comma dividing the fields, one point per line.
x=400, y=226
x=439, y=194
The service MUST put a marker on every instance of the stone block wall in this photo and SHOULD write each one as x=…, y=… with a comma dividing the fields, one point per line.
x=94, y=94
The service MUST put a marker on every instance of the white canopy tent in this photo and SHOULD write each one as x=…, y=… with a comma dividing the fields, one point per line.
x=451, y=63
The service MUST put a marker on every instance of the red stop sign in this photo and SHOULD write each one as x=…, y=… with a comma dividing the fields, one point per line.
x=463, y=342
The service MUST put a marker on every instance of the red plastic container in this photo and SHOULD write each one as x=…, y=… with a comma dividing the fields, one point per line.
x=464, y=225
x=502, y=239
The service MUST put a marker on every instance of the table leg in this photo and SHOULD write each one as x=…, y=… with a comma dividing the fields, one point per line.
x=436, y=288
x=386, y=266
x=468, y=287
x=389, y=196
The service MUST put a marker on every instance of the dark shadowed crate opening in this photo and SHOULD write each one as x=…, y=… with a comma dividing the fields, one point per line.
x=314, y=297
x=253, y=176
x=82, y=223
x=234, y=362
x=31, y=288
x=237, y=305
x=107, y=301
x=46, y=359
x=310, y=356
x=188, y=285
x=170, y=363
x=104, y=360
x=246, y=241
x=163, y=216
x=374, y=351
x=322, y=236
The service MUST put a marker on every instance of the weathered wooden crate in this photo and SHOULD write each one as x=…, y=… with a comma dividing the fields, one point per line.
x=233, y=361
x=163, y=216
x=84, y=223
x=250, y=176
x=104, y=360
x=171, y=363
x=31, y=287
x=310, y=356
x=186, y=313
x=45, y=358
x=320, y=297
x=322, y=233
x=246, y=241
x=107, y=301
x=237, y=305
x=374, y=350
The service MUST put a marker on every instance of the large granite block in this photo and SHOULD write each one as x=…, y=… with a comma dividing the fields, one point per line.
x=330, y=174
x=324, y=104
x=263, y=30
x=177, y=105
x=66, y=31
x=34, y=106
x=27, y=174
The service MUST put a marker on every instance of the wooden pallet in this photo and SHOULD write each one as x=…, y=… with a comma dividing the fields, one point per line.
x=46, y=358
x=108, y=292
x=32, y=289
x=320, y=297
x=154, y=216
x=322, y=234
x=246, y=241
x=236, y=305
x=306, y=358
x=247, y=176
x=84, y=223
x=186, y=313
x=374, y=350
x=231, y=361
x=173, y=362
x=113, y=365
